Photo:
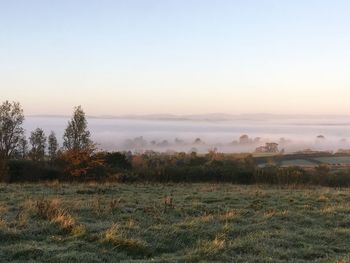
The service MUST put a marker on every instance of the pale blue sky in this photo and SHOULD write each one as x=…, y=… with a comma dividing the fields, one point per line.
x=182, y=57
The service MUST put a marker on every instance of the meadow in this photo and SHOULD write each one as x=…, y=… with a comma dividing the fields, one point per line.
x=110, y=222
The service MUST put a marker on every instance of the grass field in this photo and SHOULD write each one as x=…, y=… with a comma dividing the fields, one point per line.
x=203, y=223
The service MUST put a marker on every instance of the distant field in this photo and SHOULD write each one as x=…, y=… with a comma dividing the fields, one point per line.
x=309, y=161
x=343, y=160
x=204, y=223
x=264, y=154
x=297, y=162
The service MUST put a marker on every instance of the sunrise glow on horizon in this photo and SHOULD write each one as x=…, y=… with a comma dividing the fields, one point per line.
x=176, y=57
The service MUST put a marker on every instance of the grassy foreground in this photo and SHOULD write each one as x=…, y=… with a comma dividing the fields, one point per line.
x=173, y=223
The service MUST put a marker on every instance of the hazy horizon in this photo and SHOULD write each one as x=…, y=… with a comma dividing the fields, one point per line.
x=212, y=115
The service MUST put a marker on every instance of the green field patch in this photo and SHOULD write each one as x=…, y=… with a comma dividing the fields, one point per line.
x=336, y=160
x=297, y=162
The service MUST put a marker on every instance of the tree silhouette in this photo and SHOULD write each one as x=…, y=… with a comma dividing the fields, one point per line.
x=53, y=146
x=77, y=136
x=37, y=140
x=11, y=131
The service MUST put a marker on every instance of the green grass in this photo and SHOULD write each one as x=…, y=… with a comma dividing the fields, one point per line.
x=205, y=223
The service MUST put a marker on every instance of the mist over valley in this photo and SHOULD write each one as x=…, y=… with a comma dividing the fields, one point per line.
x=201, y=133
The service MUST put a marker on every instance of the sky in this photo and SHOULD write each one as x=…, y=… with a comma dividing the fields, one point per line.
x=179, y=57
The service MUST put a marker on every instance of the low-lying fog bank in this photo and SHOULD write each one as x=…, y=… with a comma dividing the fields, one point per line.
x=139, y=134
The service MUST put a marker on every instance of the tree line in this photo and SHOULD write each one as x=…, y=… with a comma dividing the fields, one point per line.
x=40, y=157
x=14, y=144
x=75, y=157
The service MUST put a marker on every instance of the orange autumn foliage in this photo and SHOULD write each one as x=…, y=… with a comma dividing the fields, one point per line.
x=80, y=162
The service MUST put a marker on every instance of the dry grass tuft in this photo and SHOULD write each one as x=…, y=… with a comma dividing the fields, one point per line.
x=117, y=238
x=3, y=223
x=229, y=215
x=96, y=206
x=274, y=213
x=213, y=247
x=323, y=199
x=24, y=213
x=131, y=223
x=113, y=205
x=79, y=231
x=52, y=211
x=3, y=208
x=344, y=260
x=209, y=188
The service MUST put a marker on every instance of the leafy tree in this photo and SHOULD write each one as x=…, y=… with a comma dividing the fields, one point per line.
x=38, y=142
x=53, y=146
x=11, y=130
x=79, y=158
x=77, y=136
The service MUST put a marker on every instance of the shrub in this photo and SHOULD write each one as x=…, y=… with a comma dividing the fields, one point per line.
x=117, y=161
x=3, y=170
x=338, y=179
x=83, y=163
x=29, y=171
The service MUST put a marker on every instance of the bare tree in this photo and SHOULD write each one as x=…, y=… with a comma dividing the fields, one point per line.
x=77, y=136
x=38, y=141
x=11, y=130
